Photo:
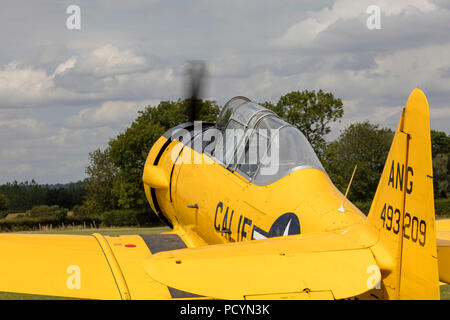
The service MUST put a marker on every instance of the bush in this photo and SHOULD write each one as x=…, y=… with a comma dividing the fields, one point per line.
x=4, y=206
x=85, y=210
x=442, y=207
x=4, y=203
x=30, y=223
x=130, y=217
x=3, y=214
x=27, y=223
x=45, y=216
x=47, y=212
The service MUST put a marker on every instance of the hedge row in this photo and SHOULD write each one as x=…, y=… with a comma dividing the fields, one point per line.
x=134, y=218
x=122, y=218
x=107, y=219
x=442, y=207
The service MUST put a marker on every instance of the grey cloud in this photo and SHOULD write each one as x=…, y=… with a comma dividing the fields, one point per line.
x=445, y=72
x=354, y=62
x=444, y=4
x=49, y=56
x=398, y=32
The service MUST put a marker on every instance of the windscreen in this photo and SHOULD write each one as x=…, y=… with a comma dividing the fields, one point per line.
x=289, y=151
x=228, y=110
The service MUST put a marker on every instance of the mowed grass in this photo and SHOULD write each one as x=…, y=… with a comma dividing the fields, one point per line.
x=445, y=289
x=22, y=296
x=445, y=292
x=104, y=231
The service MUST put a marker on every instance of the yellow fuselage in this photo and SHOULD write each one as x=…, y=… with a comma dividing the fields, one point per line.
x=209, y=204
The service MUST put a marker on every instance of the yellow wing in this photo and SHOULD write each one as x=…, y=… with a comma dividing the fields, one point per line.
x=92, y=267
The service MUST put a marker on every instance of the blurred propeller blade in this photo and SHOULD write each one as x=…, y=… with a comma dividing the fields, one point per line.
x=196, y=71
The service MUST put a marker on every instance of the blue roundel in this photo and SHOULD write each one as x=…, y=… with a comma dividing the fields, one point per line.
x=286, y=224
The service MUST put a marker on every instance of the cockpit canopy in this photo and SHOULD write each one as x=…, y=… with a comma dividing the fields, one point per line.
x=259, y=145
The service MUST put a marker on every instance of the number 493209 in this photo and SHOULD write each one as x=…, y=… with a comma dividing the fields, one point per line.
x=414, y=229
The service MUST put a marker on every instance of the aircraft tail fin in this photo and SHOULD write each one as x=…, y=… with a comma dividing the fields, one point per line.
x=402, y=210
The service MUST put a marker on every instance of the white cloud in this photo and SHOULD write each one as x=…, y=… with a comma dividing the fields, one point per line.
x=22, y=85
x=109, y=60
x=67, y=65
x=24, y=128
x=399, y=6
x=106, y=72
x=109, y=113
x=229, y=66
x=33, y=149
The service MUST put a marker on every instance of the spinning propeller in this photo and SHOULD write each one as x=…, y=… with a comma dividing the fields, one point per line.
x=195, y=71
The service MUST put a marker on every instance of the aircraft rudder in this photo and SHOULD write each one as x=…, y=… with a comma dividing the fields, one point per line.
x=403, y=207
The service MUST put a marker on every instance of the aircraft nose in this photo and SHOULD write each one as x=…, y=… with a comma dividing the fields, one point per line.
x=155, y=177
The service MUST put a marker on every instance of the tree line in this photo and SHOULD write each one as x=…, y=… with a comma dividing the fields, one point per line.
x=23, y=196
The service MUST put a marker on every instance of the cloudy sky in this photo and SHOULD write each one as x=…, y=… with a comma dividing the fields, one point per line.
x=64, y=93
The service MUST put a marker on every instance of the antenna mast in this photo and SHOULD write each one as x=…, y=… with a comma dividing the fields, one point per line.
x=342, y=209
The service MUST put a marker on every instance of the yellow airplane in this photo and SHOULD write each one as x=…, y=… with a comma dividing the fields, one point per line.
x=250, y=230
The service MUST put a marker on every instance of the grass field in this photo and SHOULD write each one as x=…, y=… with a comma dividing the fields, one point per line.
x=105, y=231
x=445, y=290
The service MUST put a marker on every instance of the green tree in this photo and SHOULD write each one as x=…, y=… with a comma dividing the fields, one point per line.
x=129, y=150
x=441, y=178
x=4, y=206
x=102, y=178
x=362, y=144
x=24, y=195
x=440, y=145
x=311, y=112
x=440, y=142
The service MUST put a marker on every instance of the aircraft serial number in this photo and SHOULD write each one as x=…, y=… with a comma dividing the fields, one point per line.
x=414, y=229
